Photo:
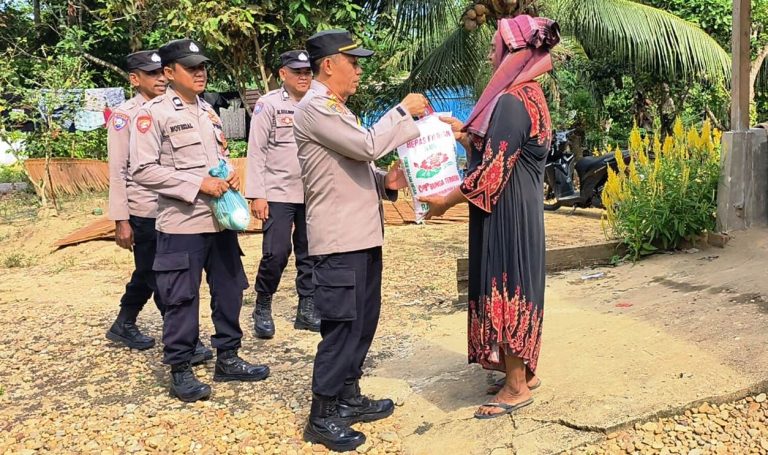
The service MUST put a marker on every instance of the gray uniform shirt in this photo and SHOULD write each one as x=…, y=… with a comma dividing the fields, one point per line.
x=173, y=145
x=125, y=196
x=273, y=167
x=343, y=190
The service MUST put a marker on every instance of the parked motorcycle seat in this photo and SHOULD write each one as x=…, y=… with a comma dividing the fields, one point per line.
x=589, y=163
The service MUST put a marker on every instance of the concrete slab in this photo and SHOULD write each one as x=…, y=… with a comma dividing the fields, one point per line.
x=645, y=340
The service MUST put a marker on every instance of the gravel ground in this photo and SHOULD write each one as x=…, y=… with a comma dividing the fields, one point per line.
x=65, y=389
x=732, y=428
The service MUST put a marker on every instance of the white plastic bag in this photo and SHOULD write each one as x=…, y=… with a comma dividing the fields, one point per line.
x=429, y=162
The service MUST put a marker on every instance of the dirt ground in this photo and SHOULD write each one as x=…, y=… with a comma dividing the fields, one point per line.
x=65, y=388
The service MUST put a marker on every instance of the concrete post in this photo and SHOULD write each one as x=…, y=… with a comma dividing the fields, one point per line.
x=742, y=193
x=740, y=47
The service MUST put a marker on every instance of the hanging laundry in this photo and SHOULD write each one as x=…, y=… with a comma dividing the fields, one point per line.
x=89, y=120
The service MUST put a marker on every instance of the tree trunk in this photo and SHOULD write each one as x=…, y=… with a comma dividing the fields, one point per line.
x=262, y=67
x=754, y=70
x=36, y=15
x=102, y=63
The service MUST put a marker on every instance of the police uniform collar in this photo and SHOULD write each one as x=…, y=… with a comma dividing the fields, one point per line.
x=176, y=100
x=284, y=93
x=323, y=90
x=138, y=99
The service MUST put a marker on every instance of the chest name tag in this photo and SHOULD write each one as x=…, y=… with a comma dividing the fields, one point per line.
x=181, y=127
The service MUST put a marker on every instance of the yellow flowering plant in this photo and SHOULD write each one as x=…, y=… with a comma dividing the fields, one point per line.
x=667, y=192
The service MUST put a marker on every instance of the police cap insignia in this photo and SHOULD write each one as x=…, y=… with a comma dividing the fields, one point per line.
x=143, y=60
x=295, y=59
x=184, y=51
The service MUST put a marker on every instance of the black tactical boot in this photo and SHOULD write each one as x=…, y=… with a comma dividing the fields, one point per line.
x=306, y=315
x=325, y=427
x=185, y=386
x=201, y=354
x=230, y=367
x=263, y=324
x=127, y=333
x=354, y=407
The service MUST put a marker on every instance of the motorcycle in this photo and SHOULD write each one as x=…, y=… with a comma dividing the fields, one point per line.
x=563, y=188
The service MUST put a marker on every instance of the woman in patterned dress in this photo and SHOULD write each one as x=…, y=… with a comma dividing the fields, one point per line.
x=507, y=137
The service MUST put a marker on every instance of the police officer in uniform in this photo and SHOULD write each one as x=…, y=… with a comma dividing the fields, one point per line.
x=345, y=228
x=176, y=138
x=274, y=185
x=134, y=208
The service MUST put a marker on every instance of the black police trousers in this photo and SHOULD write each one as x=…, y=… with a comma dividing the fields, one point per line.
x=348, y=298
x=283, y=219
x=179, y=265
x=142, y=284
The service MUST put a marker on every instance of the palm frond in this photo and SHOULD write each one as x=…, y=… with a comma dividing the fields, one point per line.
x=457, y=62
x=644, y=37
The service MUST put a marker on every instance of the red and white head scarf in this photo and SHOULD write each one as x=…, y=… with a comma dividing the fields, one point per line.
x=521, y=55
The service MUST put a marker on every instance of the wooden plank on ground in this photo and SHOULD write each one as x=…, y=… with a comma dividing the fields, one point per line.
x=557, y=259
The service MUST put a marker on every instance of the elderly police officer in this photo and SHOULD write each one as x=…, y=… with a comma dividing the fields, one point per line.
x=134, y=208
x=274, y=185
x=176, y=138
x=345, y=228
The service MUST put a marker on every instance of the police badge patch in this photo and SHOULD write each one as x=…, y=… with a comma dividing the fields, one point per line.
x=258, y=108
x=143, y=123
x=119, y=121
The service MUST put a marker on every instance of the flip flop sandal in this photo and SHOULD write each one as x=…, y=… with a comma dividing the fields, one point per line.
x=494, y=388
x=506, y=409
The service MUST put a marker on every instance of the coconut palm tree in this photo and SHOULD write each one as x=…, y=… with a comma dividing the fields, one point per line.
x=449, y=38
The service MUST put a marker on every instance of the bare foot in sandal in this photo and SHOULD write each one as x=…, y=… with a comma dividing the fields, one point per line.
x=505, y=402
x=533, y=383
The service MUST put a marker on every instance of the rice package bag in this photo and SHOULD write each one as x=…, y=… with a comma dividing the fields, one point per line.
x=231, y=209
x=429, y=162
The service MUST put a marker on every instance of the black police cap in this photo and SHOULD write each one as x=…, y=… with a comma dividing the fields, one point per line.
x=183, y=51
x=143, y=60
x=331, y=42
x=297, y=59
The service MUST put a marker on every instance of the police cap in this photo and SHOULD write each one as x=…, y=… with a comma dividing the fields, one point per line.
x=295, y=59
x=143, y=60
x=331, y=42
x=184, y=51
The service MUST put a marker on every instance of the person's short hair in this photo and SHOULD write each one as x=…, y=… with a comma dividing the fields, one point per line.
x=315, y=65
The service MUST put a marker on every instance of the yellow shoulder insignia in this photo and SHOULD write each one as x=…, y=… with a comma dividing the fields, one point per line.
x=334, y=106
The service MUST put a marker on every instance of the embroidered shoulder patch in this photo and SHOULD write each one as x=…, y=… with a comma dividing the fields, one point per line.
x=214, y=118
x=258, y=108
x=143, y=123
x=119, y=121
x=334, y=106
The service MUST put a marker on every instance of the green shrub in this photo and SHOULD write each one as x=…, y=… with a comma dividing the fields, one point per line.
x=238, y=149
x=656, y=203
x=17, y=260
x=80, y=144
x=12, y=173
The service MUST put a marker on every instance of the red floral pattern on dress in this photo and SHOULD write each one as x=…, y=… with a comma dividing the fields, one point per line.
x=484, y=185
x=532, y=97
x=500, y=324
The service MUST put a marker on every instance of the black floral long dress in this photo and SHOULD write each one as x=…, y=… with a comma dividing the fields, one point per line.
x=506, y=230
